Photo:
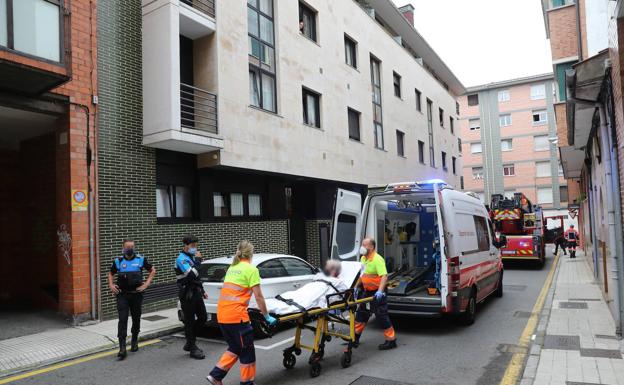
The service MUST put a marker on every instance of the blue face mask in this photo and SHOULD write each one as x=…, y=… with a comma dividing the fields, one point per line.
x=192, y=250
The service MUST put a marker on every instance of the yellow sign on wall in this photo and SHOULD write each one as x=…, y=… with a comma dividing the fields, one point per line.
x=79, y=200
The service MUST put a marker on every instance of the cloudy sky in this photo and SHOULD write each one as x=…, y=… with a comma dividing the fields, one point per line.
x=483, y=41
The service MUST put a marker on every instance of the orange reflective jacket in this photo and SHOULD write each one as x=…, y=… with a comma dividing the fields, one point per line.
x=233, y=303
x=371, y=282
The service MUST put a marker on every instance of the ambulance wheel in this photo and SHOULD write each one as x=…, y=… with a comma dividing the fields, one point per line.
x=289, y=361
x=468, y=317
x=345, y=360
x=499, y=289
x=315, y=369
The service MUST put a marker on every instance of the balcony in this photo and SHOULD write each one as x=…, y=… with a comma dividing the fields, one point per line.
x=197, y=18
x=198, y=109
x=204, y=6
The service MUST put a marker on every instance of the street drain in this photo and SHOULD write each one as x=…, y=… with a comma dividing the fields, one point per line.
x=601, y=353
x=572, y=305
x=522, y=314
x=558, y=342
x=366, y=380
x=515, y=287
x=154, y=317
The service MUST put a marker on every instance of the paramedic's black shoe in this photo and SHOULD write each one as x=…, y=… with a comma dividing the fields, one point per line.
x=197, y=353
x=134, y=343
x=388, y=345
x=187, y=346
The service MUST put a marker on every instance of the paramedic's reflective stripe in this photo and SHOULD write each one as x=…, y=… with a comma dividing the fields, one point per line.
x=371, y=282
x=233, y=302
x=247, y=372
x=183, y=275
x=228, y=359
x=359, y=327
x=389, y=334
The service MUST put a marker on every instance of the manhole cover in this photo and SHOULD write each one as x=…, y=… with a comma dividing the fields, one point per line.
x=572, y=305
x=515, y=287
x=601, y=353
x=552, y=341
x=154, y=317
x=522, y=314
x=366, y=380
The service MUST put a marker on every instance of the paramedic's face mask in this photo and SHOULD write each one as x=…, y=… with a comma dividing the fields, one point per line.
x=363, y=250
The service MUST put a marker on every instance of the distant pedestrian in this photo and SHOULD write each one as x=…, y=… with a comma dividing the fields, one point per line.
x=191, y=294
x=129, y=292
x=560, y=243
x=571, y=236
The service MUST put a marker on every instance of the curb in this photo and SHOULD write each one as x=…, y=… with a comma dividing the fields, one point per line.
x=535, y=349
x=112, y=345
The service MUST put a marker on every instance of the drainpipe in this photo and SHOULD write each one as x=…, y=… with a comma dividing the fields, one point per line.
x=579, y=38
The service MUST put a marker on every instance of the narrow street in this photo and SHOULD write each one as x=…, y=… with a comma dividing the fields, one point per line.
x=430, y=351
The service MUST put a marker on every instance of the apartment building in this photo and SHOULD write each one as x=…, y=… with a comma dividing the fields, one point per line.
x=585, y=36
x=509, y=134
x=48, y=84
x=232, y=120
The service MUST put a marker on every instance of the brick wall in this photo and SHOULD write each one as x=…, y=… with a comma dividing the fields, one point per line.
x=127, y=180
x=563, y=32
x=313, y=240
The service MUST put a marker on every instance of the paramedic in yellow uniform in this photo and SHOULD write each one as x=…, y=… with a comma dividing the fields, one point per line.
x=372, y=282
x=241, y=281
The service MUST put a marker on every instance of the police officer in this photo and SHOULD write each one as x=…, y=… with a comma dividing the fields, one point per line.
x=372, y=281
x=129, y=291
x=191, y=294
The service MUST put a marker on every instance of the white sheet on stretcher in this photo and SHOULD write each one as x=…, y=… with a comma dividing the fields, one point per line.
x=313, y=294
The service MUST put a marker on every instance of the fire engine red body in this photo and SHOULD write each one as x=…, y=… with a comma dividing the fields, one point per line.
x=523, y=225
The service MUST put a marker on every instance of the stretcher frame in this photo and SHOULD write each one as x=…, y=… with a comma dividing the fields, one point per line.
x=322, y=332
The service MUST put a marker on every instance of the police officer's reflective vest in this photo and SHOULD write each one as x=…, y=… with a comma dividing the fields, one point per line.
x=129, y=272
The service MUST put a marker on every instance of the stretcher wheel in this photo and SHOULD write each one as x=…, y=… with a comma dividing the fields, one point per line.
x=345, y=360
x=289, y=361
x=315, y=369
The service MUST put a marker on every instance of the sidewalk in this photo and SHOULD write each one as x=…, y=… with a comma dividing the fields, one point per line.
x=575, y=342
x=45, y=348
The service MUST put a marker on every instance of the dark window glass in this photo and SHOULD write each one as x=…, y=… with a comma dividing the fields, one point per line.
x=354, y=124
x=452, y=124
x=396, y=79
x=454, y=165
x=418, y=100
x=345, y=233
x=563, y=193
x=295, y=267
x=260, y=31
x=421, y=152
x=444, y=161
x=430, y=130
x=311, y=108
x=377, y=114
x=272, y=268
x=307, y=21
x=400, y=137
x=212, y=272
x=483, y=236
x=473, y=100
x=461, y=182
x=174, y=201
x=459, y=144
x=441, y=116
x=350, y=52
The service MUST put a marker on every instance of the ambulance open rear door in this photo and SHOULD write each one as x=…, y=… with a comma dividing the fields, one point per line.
x=346, y=226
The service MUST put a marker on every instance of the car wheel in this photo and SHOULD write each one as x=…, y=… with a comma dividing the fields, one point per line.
x=468, y=317
x=499, y=289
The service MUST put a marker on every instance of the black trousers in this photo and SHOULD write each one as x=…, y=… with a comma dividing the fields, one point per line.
x=194, y=311
x=562, y=245
x=129, y=304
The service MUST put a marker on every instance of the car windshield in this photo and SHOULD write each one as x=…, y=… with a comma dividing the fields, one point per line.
x=212, y=272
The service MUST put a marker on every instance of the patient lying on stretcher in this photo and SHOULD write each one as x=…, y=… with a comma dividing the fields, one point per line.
x=311, y=295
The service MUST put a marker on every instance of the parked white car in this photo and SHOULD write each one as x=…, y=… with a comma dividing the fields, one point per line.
x=279, y=273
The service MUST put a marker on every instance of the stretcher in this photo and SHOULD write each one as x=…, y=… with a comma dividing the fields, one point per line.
x=339, y=305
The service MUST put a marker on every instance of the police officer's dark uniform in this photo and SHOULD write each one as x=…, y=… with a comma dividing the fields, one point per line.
x=129, y=270
x=191, y=295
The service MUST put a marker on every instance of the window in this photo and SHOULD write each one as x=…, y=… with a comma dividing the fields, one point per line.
x=477, y=173
x=430, y=131
x=400, y=137
x=542, y=169
x=454, y=165
x=483, y=235
x=541, y=143
x=236, y=205
x=418, y=100
x=457, y=108
x=473, y=100
x=538, y=92
x=262, y=90
x=452, y=124
x=345, y=231
x=350, y=51
x=272, y=268
x=503, y=96
x=560, y=71
x=544, y=195
x=354, y=124
x=459, y=145
x=311, y=108
x=32, y=27
x=220, y=204
x=307, y=21
x=444, y=166
x=174, y=202
x=421, y=152
x=540, y=117
x=295, y=267
x=461, y=182
x=506, y=145
x=509, y=170
x=474, y=124
x=476, y=148
x=504, y=120
x=377, y=114
x=236, y=202
x=396, y=80
x=441, y=116
x=563, y=193
x=255, y=205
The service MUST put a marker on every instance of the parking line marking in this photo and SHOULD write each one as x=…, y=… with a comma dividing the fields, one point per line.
x=275, y=344
x=69, y=363
x=514, y=370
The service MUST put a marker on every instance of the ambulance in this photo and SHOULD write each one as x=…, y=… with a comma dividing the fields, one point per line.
x=439, y=245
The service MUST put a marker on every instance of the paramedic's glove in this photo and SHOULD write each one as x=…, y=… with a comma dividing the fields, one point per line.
x=272, y=321
x=379, y=295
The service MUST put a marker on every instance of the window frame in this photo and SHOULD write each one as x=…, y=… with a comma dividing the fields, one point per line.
x=441, y=116
x=418, y=96
x=546, y=148
x=476, y=175
x=509, y=169
x=305, y=93
x=396, y=84
x=539, y=115
x=452, y=124
x=475, y=100
x=477, y=152
x=400, y=137
x=227, y=194
x=173, y=206
x=474, y=128
x=306, y=8
x=506, y=96
x=421, y=152
x=348, y=40
x=454, y=165
x=375, y=68
x=539, y=96
x=444, y=163
x=541, y=165
x=510, y=148
x=503, y=121
x=430, y=132
x=257, y=68
x=358, y=114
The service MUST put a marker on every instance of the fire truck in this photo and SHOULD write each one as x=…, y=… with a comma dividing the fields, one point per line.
x=523, y=225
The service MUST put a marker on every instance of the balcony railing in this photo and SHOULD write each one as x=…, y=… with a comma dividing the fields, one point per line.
x=198, y=109
x=204, y=6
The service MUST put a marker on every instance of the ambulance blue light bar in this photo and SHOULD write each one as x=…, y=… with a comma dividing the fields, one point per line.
x=431, y=182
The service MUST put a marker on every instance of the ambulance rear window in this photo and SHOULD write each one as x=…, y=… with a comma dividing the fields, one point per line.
x=212, y=272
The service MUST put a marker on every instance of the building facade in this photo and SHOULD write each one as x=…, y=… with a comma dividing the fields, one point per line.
x=233, y=120
x=509, y=134
x=48, y=97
